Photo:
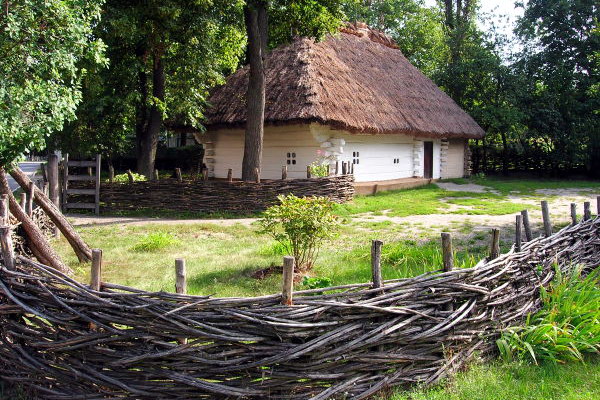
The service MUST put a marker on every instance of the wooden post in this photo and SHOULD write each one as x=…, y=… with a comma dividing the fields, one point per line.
x=44, y=169
x=308, y=172
x=587, y=211
x=230, y=175
x=97, y=192
x=257, y=174
x=518, y=223
x=344, y=168
x=111, y=174
x=376, y=263
x=573, y=214
x=180, y=276
x=546, y=218
x=30, y=196
x=4, y=210
x=328, y=170
x=205, y=174
x=96, y=275
x=284, y=172
x=337, y=168
x=495, y=245
x=130, y=176
x=52, y=171
x=89, y=171
x=6, y=245
x=598, y=206
x=288, y=280
x=447, y=252
x=526, y=225
x=156, y=175
x=178, y=174
x=23, y=200
x=65, y=181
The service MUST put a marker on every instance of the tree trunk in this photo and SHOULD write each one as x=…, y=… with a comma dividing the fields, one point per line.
x=81, y=249
x=255, y=16
x=38, y=244
x=504, y=153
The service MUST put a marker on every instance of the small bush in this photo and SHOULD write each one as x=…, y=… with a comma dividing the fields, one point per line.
x=123, y=178
x=301, y=225
x=316, y=282
x=154, y=242
x=319, y=169
x=567, y=326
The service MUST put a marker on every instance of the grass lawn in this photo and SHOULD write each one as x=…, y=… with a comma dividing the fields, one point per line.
x=516, y=381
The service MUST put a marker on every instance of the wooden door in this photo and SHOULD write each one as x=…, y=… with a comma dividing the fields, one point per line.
x=428, y=160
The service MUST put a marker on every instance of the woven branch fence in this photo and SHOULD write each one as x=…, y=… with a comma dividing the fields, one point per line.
x=218, y=196
x=63, y=340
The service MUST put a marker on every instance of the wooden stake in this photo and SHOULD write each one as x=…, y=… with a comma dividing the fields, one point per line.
x=30, y=196
x=6, y=245
x=89, y=171
x=53, y=187
x=156, y=175
x=587, y=211
x=573, y=214
x=546, y=218
x=229, y=175
x=328, y=169
x=130, y=176
x=111, y=174
x=65, y=182
x=288, y=280
x=205, y=174
x=495, y=245
x=23, y=201
x=257, y=174
x=337, y=168
x=518, y=224
x=598, y=206
x=526, y=225
x=284, y=172
x=4, y=213
x=447, y=252
x=376, y=263
x=178, y=174
x=344, y=168
x=308, y=172
x=180, y=276
x=96, y=275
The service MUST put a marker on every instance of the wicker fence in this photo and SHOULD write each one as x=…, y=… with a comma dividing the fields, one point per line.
x=65, y=340
x=218, y=196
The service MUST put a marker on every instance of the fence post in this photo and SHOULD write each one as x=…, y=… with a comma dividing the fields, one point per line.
x=130, y=176
x=6, y=243
x=447, y=251
x=53, y=188
x=376, y=263
x=111, y=174
x=587, y=211
x=230, y=175
x=546, y=218
x=156, y=175
x=495, y=245
x=518, y=222
x=97, y=192
x=598, y=206
x=65, y=182
x=180, y=276
x=526, y=225
x=178, y=174
x=328, y=170
x=257, y=174
x=308, y=172
x=343, y=167
x=96, y=275
x=23, y=200
x=4, y=213
x=284, y=172
x=573, y=214
x=288, y=280
x=337, y=168
x=204, y=174
x=30, y=196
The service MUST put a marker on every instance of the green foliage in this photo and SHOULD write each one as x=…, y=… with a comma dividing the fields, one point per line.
x=42, y=46
x=124, y=178
x=567, y=326
x=154, y=242
x=316, y=282
x=301, y=225
x=319, y=169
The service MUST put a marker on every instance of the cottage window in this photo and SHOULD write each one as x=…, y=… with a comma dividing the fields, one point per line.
x=355, y=157
x=396, y=161
x=291, y=159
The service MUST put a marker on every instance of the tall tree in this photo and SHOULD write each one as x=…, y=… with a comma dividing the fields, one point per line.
x=41, y=47
x=269, y=24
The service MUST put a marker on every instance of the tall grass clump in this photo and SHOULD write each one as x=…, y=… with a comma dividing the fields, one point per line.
x=155, y=241
x=565, y=329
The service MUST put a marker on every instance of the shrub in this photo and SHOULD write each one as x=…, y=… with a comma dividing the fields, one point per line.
x=319, y=169
x=155, y=241
x=566, y=327
x=316, y=282
x=301, y=225
x=123, y=178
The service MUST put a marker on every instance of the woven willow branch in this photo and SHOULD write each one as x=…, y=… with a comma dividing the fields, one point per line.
x=65, y=341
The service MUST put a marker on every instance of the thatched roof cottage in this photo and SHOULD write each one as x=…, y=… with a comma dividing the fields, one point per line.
x=351, y=97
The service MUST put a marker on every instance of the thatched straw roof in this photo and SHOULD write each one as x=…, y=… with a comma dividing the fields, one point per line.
x=358, y=80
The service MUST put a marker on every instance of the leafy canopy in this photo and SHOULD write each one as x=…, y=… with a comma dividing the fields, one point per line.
x=41, y=47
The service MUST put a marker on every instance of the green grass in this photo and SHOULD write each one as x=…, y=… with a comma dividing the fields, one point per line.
x=506, y=186
x=516, y=381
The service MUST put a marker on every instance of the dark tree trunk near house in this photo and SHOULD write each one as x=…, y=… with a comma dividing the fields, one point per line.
x=148, y=137
x=255, y=15
x=141, y=117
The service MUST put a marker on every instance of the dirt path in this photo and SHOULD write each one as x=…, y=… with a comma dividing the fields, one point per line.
x=81, y=221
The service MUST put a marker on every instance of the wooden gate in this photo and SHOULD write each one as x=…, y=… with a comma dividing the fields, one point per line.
x=91, y=176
